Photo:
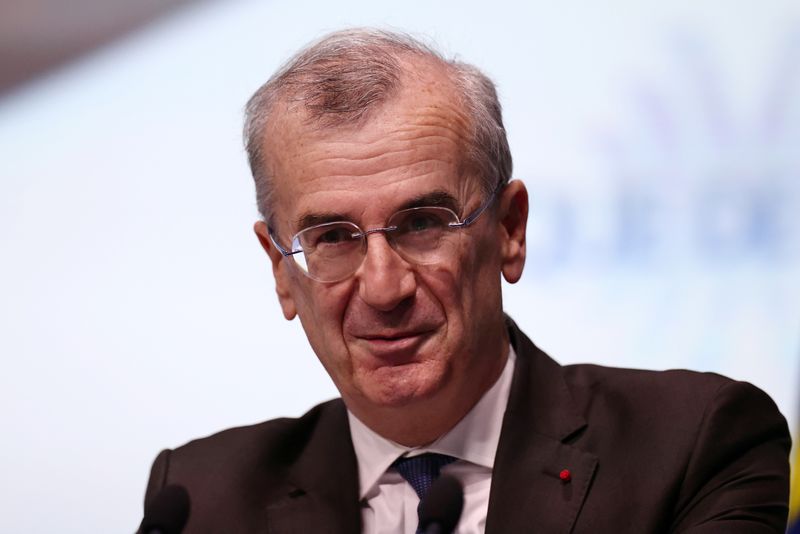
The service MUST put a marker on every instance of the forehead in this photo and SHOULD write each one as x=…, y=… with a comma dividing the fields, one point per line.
x=409, y=146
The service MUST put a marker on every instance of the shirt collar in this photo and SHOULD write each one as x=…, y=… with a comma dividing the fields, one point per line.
x=474, y=439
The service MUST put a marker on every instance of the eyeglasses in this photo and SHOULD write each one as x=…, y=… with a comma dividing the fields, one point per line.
x=331, y=252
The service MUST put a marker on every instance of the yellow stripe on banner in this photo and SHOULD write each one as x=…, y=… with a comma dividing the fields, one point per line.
x=794, y=499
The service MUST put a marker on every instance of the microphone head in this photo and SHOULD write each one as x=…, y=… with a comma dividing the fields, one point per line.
x=168, y=512
x=442, y=505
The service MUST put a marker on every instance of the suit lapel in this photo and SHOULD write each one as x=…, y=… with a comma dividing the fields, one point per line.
x=321, y=494
x=528, y=493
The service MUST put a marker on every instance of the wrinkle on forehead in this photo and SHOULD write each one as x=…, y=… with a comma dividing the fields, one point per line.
x=421, y=131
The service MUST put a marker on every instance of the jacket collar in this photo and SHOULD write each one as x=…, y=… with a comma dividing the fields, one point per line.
x=529, y=492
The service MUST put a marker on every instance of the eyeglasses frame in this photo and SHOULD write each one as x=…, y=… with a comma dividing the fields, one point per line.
x=468, y=220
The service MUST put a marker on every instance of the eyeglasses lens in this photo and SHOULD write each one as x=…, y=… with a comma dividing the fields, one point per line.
x=334, y=251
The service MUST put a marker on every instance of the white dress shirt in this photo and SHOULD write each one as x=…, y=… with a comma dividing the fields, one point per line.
x=389, y=503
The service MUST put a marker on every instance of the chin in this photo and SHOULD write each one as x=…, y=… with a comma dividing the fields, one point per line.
x=401, y=385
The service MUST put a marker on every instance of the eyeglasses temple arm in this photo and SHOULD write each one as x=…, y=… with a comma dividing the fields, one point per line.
x=278, y=245
x=477, y=213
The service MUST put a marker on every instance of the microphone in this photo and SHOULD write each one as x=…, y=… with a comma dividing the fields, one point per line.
x=441, y=508
x=168, y=512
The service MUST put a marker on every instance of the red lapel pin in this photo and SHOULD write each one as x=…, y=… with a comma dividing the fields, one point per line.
x=565, y=475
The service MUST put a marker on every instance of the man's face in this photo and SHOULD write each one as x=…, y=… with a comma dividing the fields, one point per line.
x=394, y=333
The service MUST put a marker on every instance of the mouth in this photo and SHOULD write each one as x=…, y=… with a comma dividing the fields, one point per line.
x=397, y=347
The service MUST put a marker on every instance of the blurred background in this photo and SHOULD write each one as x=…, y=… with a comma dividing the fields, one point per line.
x=660, y=143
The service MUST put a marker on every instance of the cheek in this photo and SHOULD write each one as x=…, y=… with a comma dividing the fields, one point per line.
x=448, y=287
x=475, y=267
x=468, y=286
x=321, y=309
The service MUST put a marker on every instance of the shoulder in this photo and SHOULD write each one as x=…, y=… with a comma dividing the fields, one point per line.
x=664, y=397
x=674, y=410
x=251, y=456
x=679, y=387
x=668, y=401
x=277, y=440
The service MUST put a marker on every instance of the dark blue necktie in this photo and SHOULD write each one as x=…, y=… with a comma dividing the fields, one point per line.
x=420, y=471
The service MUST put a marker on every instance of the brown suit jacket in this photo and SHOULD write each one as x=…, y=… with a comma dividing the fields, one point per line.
x=647, y=452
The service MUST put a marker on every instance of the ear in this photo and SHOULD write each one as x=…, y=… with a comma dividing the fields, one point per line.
x=513, y=220
x=279, y=271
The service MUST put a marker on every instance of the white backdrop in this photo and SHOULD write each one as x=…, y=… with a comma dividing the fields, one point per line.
x=658, y=142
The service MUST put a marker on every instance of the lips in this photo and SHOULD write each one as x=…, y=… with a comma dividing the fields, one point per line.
x=398, y=347
x=391, y=336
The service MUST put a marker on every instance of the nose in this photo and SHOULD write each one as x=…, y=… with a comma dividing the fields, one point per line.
x=385, y=279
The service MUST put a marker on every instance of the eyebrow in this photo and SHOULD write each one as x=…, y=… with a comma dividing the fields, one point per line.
x=438, y=198
x=312, y=219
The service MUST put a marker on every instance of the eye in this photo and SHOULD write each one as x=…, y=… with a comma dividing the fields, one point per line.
x=330, y=236
x=422, y=220
x=333, y=236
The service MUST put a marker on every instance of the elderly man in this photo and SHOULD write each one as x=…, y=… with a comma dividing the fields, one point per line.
x=383, y=175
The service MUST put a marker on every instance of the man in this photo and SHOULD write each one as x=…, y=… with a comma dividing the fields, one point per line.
x=383, y=175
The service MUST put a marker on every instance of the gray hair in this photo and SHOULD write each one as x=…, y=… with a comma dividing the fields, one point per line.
x=341, y=78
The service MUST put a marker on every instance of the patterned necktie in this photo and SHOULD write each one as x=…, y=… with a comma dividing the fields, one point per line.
x=420, y=471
